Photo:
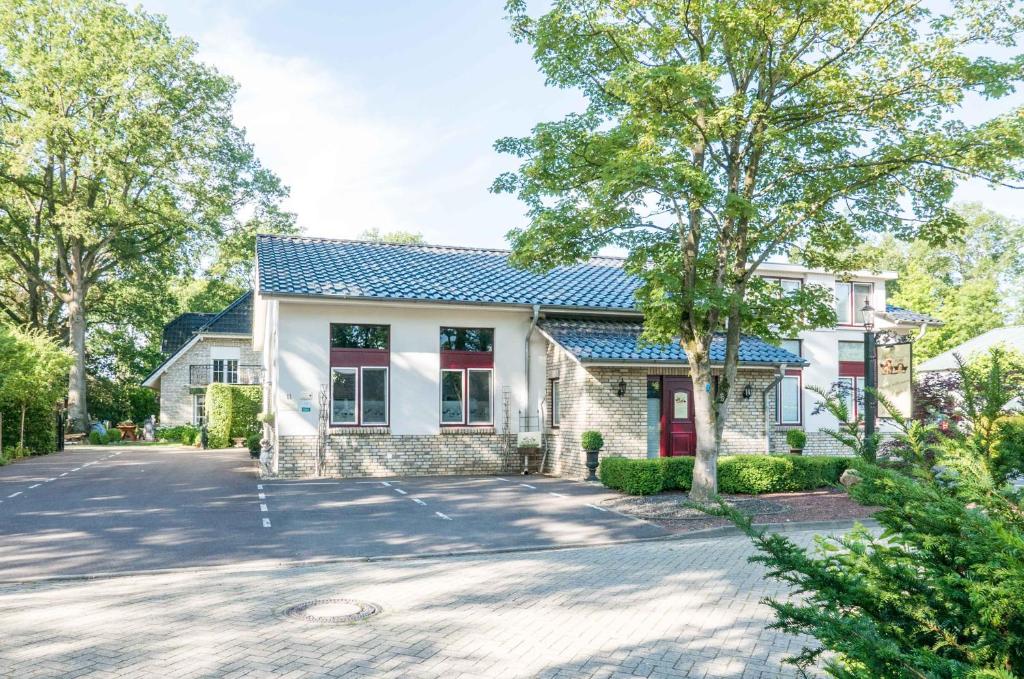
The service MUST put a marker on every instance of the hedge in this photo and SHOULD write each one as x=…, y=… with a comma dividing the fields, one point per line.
x=737, y=474
x=231, y=411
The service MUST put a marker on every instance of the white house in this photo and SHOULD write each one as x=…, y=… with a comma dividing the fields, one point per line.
x=384, y=359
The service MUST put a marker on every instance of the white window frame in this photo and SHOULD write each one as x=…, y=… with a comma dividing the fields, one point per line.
x=198, y=420
x=852, y=305
x=490, y=397
x=462, y=397
x=387, y=396
x=799, y=400
x=856, y=394
x=355, y=410
x=465, y=421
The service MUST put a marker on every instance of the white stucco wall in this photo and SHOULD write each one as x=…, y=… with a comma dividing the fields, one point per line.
x=303, y=353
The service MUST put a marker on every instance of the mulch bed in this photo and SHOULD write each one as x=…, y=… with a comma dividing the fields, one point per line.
x=666, y=509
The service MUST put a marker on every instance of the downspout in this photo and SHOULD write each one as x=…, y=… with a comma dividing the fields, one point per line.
x=526, y=354
x=764, y=406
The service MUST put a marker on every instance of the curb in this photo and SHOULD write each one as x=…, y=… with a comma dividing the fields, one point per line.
x=262, y=566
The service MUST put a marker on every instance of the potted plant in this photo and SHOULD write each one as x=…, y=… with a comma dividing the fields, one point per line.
x=797, y=439
x=592, y=443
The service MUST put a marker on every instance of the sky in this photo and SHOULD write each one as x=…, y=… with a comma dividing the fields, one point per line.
x=384, y=114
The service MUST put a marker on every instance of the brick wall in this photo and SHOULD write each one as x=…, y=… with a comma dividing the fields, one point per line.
x=175, y=397
x=377, y=453
x=589, y=401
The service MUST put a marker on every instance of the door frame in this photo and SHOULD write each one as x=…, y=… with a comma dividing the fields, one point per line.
x=663, y=443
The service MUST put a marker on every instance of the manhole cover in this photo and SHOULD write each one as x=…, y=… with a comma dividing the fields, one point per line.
x=332, y=610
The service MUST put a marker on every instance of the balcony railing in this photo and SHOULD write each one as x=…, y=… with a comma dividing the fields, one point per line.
x=201, y=375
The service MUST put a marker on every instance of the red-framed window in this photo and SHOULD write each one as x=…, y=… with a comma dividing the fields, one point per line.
x=850, y=299
x=467, y=376
x=851, y=376
x=789, y=394
x=360, y=378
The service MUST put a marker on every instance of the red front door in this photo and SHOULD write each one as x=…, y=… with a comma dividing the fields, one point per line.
x=679, y=436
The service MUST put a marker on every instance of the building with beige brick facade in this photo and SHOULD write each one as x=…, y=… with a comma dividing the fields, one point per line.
x=201, y=348
x=384, y=359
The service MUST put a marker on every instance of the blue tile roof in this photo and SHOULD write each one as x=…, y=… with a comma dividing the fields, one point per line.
x=590, y=340
x=901, y=315
x=290, y=265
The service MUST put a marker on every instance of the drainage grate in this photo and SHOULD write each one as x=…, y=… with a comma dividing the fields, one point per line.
x=332, y=611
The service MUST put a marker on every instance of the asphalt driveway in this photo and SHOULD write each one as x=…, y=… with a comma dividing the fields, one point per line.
x=93, y=510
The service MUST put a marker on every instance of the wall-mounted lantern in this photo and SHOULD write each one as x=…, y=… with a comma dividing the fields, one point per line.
x=620, y=390
x=748, y=391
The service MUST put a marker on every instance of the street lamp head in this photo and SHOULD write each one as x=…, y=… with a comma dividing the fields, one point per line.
x=869, y=315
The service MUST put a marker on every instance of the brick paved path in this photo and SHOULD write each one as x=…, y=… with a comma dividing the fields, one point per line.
x=667, y=609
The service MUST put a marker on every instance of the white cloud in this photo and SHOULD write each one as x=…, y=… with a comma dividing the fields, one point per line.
x=343, y=163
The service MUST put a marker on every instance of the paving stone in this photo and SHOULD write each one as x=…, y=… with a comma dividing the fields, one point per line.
x=661, y=610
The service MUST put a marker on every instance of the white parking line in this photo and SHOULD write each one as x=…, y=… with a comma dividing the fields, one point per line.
x=600, y=509
x=35, y=486
x=263, y=508
x=526, y=485
x=266, y=523
x=419, y=501
x=263, y=496
x=444, y=516
x=385, y=484
x=399, y=490
x=64, y=474
x=76, y=469
x=501, y=479
x=48, y=480
x=259, y=486
x=557, y=494
x=14, y=494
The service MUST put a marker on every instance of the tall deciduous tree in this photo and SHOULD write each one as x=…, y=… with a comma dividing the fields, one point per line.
x=119, y=154
x=973, y=283
x=721, y=133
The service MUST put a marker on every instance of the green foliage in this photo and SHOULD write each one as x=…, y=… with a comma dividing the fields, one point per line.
x=184, y=433
x=796, y=438
x=739, y=474
x=33, y=380
x=1008, y=448
x=401, y=237
x=973, y=283
x=114, y=435
x=95, y=438
x=118, y=401
x=592, y=440
x=231, y=412
x=718, y=135
x=252, y=442
x=756, y=474
x=850, y=431
x=122, y=166
x=937, y=593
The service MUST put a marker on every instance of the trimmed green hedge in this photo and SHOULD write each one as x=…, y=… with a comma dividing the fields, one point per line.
x=737, y=474
x=231, y=411
x=183, y=433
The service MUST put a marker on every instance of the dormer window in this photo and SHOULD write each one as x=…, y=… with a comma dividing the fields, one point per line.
x=850, y=299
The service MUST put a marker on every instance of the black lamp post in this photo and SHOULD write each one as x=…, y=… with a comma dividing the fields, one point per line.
x=870, y=378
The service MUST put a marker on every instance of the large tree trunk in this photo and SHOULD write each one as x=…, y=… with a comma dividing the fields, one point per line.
x=705, y=467
x=21, y=433
x=78, y=417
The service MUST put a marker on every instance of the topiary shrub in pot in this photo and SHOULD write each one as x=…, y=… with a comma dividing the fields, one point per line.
x=592, y=442
x=797, y=439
